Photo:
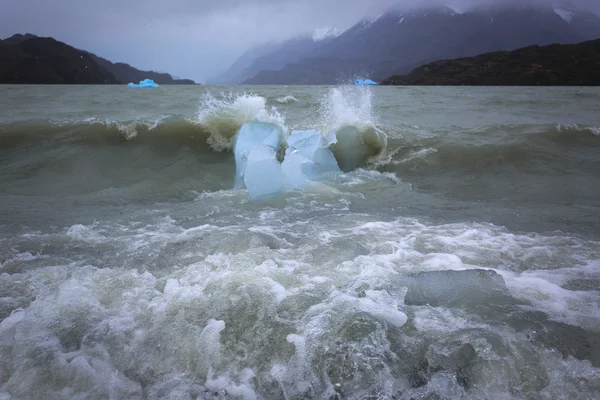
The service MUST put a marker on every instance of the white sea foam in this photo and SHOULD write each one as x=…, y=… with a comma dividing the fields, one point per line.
x=287, y=99
x=256, y=307
x=419, y=154
x=578, y=128
x=223, y=116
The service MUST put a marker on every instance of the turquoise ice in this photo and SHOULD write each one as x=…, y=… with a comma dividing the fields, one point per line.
x=263, y=175
x=366, y=82
x=146, y=83
x=250, y=136
x=307, y=159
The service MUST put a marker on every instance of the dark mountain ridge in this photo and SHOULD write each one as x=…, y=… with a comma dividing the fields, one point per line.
x=30, y=59
x=553, y=65
x=125, y=73
x=48, y=61
x=399, y=41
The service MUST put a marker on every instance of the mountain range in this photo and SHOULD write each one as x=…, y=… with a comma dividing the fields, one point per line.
x=399, y=41
x=29, y=59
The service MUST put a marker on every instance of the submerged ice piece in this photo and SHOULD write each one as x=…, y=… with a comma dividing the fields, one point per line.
x=256, y=164
x=308, y=158
x=263, y=172
x=146, y=83
x=354, y=146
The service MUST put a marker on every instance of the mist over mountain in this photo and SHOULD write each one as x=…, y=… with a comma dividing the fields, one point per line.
x=273, y=56
x=400, y=40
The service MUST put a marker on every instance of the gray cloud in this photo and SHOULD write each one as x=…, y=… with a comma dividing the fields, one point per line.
x=191, y=38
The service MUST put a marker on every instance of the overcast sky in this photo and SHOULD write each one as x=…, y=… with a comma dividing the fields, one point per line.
x=190, y=38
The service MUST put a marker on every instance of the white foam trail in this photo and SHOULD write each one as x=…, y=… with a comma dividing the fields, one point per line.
x=420, y=154
x=224, y=116
x=130, y=130
x=287, y=99
x=578, y=128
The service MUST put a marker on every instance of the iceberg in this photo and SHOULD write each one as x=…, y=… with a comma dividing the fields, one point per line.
x=365, y=82
x=263, y=175
x=250, y=136
x=308, y=158
x=355, y=146
x=146, y=83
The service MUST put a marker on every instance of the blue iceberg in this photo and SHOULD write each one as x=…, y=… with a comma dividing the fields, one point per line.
x=263, y=175
x=254, y=135
x=365, y=82
x=146, y=83
x=306, y=159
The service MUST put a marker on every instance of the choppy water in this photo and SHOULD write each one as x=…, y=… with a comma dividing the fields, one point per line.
x=461, y=261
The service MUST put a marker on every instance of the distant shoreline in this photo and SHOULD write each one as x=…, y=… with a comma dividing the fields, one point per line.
x=553, y=65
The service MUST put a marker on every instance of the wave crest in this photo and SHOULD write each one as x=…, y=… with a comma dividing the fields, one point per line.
x=223, y=117
x=348, y=111
x=287, y=100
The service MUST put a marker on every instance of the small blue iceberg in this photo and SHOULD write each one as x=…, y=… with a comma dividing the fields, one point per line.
x=366, y=82
x=146, y=83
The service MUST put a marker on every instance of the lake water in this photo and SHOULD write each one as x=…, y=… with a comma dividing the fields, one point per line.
x=461, y=260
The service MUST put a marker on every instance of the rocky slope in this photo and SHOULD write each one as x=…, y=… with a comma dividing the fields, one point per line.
x=28, y=59
x=48, y=61
x=554, y=65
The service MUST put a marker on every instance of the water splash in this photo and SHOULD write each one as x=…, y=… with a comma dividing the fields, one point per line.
x=222, y=117
x=348, y=111
x=344, y=106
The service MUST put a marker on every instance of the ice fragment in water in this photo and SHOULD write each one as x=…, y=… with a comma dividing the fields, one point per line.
x=146, y=83
x=468, y=289
x=308, y=158
x=354, y=147
x=251, y=135
x=366, y=82
x=262, y=175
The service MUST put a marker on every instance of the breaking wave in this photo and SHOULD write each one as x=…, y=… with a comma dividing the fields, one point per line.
x=346, y=111
x=223, y=117
x=349, y=112
x=535, y=147
x=287, y=100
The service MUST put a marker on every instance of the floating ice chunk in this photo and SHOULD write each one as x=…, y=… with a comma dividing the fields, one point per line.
x=146, y=83
x=308, y=158
x=469, y=289
x=262, y=174
x=366, y=82
x=251, y=135
x=350, y=150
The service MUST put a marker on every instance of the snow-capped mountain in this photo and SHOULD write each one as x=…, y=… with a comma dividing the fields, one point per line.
x=274, y=56
x=325, y=33
x=396, y=42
